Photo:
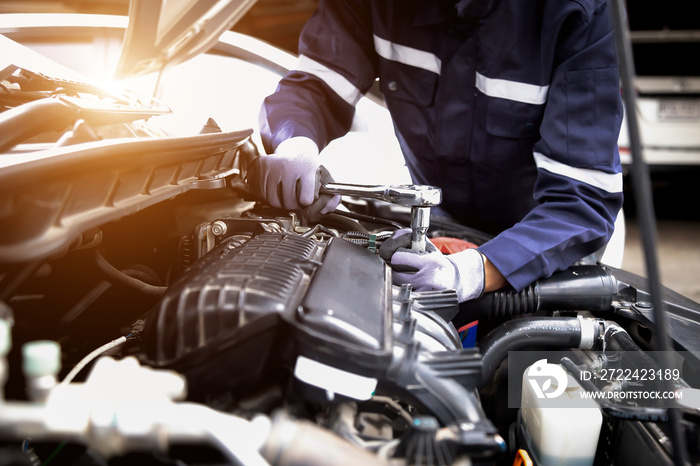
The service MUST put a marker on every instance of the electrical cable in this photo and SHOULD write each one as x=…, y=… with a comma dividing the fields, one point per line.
x=361, y=235
x=340, y=223
x=369, y=218
x=363, y=239
x=644, y=201
x=88, y=359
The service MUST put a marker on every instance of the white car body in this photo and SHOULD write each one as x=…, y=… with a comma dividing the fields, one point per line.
x=668, y=100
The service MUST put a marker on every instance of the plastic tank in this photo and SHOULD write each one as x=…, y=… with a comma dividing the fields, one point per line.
x=563, y=429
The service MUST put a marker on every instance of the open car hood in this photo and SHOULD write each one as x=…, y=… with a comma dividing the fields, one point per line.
x=166, y=32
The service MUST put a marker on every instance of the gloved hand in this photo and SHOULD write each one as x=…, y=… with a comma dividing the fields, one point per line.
x=291, y=178
x=431, y=270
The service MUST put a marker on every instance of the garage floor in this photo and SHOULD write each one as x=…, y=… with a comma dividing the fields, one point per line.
x=678, y=232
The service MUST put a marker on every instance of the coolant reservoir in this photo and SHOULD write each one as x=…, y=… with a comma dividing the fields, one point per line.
x=559, y=425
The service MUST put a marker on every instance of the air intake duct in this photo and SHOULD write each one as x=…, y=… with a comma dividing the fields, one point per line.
x=578, y=288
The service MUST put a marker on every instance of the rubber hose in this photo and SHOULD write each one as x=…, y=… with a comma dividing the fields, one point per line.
x=585, y=287
x=518, y=334
x=116, y=276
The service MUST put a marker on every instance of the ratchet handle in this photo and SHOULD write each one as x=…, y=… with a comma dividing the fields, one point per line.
x=407, y=195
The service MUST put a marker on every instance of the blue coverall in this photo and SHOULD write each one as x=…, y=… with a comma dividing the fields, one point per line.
x=512, y=107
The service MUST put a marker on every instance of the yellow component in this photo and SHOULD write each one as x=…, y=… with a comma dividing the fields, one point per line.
x=522, y=459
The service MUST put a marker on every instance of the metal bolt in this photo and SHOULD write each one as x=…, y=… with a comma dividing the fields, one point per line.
x=219, y=228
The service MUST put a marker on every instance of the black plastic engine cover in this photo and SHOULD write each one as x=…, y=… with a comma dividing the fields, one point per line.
x=223, y=316
x=240, y=313
x=347, y=310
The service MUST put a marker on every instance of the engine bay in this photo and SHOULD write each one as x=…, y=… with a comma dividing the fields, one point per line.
x=270, y=320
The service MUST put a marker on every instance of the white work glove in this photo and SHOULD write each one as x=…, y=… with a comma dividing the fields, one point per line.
x=432, y=270
x=291, y=178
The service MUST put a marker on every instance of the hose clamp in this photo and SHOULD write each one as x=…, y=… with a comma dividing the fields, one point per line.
x=588, y=332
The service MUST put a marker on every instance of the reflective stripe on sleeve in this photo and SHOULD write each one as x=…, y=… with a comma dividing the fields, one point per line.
x=610, y=182
x=336, y=81
x=512, y=90
x=407, y=55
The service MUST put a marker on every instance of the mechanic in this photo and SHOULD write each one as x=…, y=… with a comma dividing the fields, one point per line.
x=512, y=107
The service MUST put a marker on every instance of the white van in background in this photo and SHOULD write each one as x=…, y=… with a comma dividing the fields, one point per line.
x=666, y=49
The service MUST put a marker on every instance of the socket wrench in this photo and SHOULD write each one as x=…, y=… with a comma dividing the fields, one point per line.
x=420, y=198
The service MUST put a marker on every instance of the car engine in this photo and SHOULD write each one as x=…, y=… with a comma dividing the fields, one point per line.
x=152, y=312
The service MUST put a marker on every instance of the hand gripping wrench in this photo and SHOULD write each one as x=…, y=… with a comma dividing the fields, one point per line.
x=419, y=198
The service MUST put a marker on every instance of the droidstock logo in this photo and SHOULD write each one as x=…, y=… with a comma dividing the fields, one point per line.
x=541, y=375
